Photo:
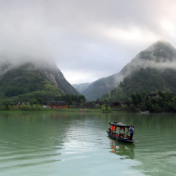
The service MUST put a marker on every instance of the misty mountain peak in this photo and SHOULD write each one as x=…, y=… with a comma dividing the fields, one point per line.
x=160, y=51
x=159, y=56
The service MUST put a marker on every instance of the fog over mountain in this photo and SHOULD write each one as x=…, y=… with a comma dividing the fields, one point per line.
x=87, y=40
x=8, y=62
x=28, y=78
x=161, y=55
x=81, y=87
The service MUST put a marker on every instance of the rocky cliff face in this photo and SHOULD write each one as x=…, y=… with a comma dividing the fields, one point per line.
x=56, y=76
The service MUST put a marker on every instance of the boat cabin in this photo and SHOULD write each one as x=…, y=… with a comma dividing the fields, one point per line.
x=122, y=132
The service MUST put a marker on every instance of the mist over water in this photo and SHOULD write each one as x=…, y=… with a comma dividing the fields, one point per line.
x=77, y=144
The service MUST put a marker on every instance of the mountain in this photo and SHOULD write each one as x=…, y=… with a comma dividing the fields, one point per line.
x=150, y=71
x=99, y=87
x=149, y=80
x=81, y=87
x=160, y=55
x=22, y=82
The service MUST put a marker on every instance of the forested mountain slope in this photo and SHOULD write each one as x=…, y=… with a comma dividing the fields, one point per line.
x=99, y=87
x=158, y=73
x=30, y=80
x=150, y=80
x=158, y=56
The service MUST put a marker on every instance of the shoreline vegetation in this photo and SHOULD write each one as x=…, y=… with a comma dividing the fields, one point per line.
x=48, y=110
x=138, y=103
x=58, y=110
x=40, y=108
x=161, y=102
x=77, y=111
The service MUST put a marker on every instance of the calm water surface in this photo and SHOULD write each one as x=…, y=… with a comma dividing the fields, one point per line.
x=76, y=144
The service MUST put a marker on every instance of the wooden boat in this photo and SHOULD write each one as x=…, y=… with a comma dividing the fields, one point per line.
x=121, y=136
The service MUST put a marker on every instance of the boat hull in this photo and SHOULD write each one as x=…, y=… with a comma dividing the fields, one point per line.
x=122, y=140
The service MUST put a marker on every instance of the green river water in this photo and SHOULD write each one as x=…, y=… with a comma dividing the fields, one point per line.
x=76, y=144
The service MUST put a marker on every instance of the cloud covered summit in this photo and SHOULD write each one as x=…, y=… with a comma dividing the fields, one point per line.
x=87, y=39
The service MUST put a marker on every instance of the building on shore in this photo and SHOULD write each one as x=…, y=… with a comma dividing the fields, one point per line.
x=56, y=104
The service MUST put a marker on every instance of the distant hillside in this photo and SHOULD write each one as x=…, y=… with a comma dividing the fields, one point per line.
x=81, y=87
x=99, y=87
x=149, y=80
x=159, y=56
x=158, y=73
x=29, y=80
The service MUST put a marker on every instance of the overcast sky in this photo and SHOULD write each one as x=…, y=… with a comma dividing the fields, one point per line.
x=87, y=39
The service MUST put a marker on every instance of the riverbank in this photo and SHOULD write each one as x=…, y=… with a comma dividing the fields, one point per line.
x=59, y=110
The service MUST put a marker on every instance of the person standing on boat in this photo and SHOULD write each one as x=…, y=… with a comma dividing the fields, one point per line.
x=131, y=130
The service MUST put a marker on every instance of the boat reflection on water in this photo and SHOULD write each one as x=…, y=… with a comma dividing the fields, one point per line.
x=123, y=149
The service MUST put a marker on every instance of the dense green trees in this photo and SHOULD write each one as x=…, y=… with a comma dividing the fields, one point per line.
x=109, y=109
x=9, y=92
x=36, y=103
x=29, y=81
x=149, y=80
x=163, y=102
x=5, y=104
x=103, y=108
x=23, y=85
x=71, y=99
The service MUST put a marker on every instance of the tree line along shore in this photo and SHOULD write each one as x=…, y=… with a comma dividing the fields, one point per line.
x=155, y=102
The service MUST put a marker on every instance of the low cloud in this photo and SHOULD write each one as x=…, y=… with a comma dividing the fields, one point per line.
x=87, y=39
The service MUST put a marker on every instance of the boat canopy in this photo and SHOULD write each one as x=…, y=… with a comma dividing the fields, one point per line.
x=119, y=124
